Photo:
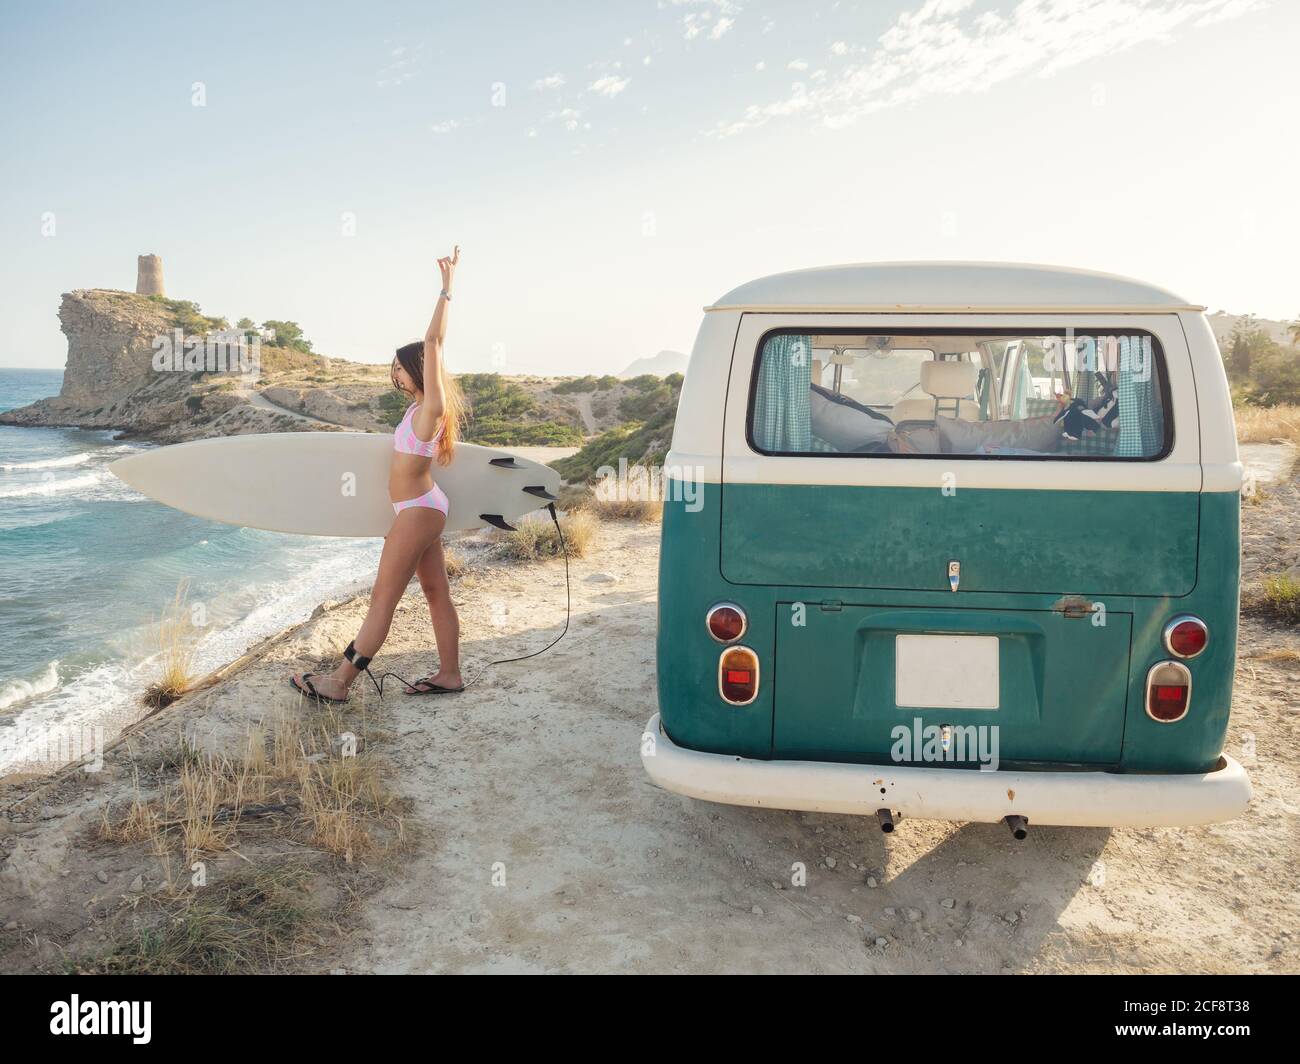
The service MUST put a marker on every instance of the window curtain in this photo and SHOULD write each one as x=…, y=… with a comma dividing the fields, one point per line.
x=1141, y=421
x=782, y=421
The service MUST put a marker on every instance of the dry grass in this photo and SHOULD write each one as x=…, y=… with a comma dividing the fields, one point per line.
x=456, y=564
x=573, y=497
x=139, y=823
x=535, y=537
x=300, y=781
x=615, y=509
x=339, y=799
x=176, y=651
x=253, y=922
x=1276, y=598
x=1266, y=424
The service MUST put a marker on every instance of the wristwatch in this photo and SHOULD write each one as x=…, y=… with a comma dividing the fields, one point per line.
x=446, y=295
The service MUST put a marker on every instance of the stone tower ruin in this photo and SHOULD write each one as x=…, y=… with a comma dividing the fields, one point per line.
x=149, y=276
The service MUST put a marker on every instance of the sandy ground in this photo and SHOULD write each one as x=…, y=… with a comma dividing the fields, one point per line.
x=544, y=848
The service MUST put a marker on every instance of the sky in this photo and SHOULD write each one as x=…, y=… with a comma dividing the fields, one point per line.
x=610, y=168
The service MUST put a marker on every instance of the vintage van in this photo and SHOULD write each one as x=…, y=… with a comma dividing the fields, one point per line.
x=955, y=541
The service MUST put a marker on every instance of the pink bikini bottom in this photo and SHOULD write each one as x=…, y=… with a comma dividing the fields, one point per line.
x=434, y=499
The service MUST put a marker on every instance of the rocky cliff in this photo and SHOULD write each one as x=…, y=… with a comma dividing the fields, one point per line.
x=110, y=380
x=110, y=344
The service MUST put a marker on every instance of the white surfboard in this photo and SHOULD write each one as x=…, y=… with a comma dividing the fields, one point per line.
x=328, y=483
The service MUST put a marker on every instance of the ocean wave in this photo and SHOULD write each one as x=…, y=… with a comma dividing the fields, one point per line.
x=346, y=570
x=81, y=715
x=49, y=463
x=56, y=487
x=16, y=691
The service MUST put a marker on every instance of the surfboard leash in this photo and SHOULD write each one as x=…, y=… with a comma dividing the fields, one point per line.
x=362, y=662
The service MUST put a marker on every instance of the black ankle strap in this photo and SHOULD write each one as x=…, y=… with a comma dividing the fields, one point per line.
x=359, y=661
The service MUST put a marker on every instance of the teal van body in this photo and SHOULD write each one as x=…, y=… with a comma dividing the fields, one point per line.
x=1071, y=568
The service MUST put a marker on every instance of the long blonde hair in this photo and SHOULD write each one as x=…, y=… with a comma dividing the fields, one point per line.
x=411, y=357
x=453, y=414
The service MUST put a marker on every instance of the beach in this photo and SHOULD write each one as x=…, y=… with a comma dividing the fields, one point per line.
x=534, y=841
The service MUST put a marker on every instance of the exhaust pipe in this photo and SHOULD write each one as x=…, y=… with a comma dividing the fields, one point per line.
x=1019, y=825
x=886, y=819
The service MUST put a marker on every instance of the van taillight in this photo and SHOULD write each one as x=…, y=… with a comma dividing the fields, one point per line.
x=1169, y=691
x=1186, y=636
x=738, y=676
x=725, y=622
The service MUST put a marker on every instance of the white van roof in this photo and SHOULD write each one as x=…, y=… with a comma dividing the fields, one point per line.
x=950, y=287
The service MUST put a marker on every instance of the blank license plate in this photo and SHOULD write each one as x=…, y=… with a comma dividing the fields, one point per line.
x=946, y=671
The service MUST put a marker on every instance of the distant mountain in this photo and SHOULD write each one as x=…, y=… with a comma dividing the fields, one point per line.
x=661, y=365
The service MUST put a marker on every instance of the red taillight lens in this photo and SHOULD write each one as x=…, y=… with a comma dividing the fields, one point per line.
x=738, y=675
x=1186, y=636
x=726, y=622
x=1169, y=691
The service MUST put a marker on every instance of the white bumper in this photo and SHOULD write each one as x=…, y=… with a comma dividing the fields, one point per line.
x=1074, y=799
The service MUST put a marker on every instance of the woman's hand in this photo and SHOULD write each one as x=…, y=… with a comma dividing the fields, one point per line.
x=447, y=265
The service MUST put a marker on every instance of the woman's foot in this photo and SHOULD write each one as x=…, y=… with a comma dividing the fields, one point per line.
x=325, y=684
x=444, y=681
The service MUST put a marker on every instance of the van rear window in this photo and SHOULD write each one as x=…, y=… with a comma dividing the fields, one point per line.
x=976, y=394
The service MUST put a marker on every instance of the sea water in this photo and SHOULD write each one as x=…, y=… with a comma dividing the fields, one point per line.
x=88, y=566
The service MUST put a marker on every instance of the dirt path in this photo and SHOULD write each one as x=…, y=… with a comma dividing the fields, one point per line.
x=588, y=417
x=259, y=401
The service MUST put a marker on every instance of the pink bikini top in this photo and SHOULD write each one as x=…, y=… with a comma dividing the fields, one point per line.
x=405, y=441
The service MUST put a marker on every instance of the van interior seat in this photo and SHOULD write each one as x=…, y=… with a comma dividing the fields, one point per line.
x=951, y=390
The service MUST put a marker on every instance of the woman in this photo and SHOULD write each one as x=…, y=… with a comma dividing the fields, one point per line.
x=414, y=543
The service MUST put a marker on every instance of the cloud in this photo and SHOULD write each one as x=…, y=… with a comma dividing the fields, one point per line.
x=398, y=72
x=797, y=64
x=943, y=47
x=608, y=86
x=449, y=126
x=702, y=23
x=551, y=81
x=569, y=117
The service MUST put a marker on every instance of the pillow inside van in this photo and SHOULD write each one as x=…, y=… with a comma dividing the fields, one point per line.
x=1037, y=434
x=845, y=424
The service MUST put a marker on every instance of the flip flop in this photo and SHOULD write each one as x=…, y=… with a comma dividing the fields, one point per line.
x=431, y=688
x=310, y=689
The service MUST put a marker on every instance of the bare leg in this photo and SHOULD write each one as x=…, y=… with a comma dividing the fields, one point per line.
x=432, y=571
x=409, y=537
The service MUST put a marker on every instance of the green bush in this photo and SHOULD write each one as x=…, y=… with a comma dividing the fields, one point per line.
x=1274, y=377
x=643, y=441
x=589, y=383
x=494, y=432
x=288, y=334
x=186, y=316
x=392, y=406
x=492, y=398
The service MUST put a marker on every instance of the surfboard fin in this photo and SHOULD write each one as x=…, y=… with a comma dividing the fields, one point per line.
x=505, y=463
x=497, y=521
x=540, y=492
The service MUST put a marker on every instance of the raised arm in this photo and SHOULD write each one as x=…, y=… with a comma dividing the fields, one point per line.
x=431, y=409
